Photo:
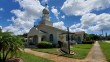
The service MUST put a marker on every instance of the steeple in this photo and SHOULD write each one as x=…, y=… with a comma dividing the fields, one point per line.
x=45, y=18
x=45, y=10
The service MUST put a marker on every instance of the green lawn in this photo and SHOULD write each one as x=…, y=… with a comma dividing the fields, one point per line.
x=81, y=51
x=32, y=58
x=48, y=50
x=106, y=49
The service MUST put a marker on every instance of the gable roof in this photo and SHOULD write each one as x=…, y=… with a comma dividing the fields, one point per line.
x=51, y=27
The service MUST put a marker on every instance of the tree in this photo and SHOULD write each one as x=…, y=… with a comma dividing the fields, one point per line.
x=9, y=44
x=91, y=37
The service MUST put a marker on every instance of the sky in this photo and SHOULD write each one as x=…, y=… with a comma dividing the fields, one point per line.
x=91, y=16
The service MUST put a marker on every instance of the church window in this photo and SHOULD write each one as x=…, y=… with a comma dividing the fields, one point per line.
x=51, y=37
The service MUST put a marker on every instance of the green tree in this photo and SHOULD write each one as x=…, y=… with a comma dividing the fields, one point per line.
x=91, y=37
x=9, y=44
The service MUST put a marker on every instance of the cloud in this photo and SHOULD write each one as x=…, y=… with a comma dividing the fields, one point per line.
x=59, y=25
x=77, y=27
x=89, y=21
x=1, y=9
x=24, y=19
x=93, y=22
x=44, y=1
x=55, y=12
x=0, y=27
x=73, y=28
x=81, y=7
x=98, y=23
x=63, y=17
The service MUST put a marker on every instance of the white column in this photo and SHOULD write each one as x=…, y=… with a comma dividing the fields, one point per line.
x=39, y=39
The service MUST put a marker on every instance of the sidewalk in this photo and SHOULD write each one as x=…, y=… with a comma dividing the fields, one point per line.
x=95, y=55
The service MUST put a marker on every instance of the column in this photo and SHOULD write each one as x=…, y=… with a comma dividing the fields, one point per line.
x=39, y=39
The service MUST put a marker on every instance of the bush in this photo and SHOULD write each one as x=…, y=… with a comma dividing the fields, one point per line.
x=45, y=44
x=31, y=43
x=91, y=42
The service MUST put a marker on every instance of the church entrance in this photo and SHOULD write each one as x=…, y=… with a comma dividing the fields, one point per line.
x=35, y=39
x=43, y=38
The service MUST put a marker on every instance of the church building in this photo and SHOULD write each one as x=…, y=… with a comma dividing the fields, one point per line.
x=45, y=31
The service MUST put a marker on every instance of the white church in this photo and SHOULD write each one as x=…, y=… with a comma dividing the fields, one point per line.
x=45, y=31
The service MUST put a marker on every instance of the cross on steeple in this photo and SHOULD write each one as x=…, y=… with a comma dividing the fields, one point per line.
x=45, y=4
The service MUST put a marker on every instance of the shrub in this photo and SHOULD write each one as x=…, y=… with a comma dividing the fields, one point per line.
x=31, y=43
x=90, y=42
x=45, y=44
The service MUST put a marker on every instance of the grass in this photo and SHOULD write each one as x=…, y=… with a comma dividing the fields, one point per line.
x=32, y=58
x=106, y=49
x=48, y=50
x=81, y=51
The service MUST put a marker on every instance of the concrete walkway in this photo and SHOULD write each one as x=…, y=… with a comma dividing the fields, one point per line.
x=95, y=55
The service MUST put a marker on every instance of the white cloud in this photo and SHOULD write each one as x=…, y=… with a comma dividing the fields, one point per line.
x=0, y=27
x=99, y=22
x=81, y=7
x=55, y=12
x=1, y=9
x=59, y=25
x=89, y=21
x=63, y=17
x=24, y=20
x=73, y=28
x=93, y=22
x=77, y=28
x=44, y=1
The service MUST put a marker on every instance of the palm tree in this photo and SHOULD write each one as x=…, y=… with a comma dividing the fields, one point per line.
x=9, y=44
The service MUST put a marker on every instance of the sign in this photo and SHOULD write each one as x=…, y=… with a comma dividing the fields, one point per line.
x=64, y=47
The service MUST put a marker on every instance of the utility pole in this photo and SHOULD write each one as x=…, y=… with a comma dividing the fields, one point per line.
x=0, y=29
x=106, y=35
x=68, y=40
x=102, y=34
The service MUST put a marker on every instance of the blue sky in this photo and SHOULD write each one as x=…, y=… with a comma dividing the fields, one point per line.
x=91, y=16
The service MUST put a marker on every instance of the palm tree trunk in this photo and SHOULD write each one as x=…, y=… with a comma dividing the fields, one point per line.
x=4, y=60
x=0, y=55
x=6, y=54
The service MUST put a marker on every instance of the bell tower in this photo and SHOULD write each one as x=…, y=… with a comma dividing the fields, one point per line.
x=45, y=18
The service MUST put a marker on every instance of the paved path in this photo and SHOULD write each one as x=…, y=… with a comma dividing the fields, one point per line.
x=95, y=55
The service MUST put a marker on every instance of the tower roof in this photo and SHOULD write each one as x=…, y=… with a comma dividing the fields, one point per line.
x=45, y=10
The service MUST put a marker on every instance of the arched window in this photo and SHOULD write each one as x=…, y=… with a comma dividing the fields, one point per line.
x=51, y=37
